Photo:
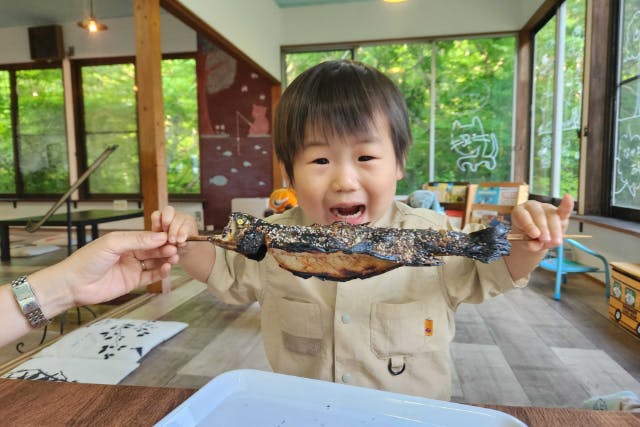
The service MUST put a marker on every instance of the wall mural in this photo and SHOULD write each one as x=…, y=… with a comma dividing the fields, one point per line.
x=235, y=125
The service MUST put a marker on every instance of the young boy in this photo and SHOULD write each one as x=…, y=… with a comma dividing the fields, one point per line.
x=341, y=134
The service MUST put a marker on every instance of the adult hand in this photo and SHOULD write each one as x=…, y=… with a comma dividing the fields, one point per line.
x=108, y=267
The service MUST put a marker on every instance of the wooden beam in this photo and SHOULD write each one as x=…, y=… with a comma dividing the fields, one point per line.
x=597, y=181
x=153, y=165
x=523, y=108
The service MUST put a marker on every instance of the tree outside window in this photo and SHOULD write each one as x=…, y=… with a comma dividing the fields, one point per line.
x=40, y=132
x=460, y=99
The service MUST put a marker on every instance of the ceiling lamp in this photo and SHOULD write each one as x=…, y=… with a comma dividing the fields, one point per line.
x=394, y=1
x=91, y=24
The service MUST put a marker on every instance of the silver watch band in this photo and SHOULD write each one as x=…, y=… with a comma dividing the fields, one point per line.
x=28, y=302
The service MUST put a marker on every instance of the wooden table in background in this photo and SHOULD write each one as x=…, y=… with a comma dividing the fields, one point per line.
x=78, y=219
x=49, y=403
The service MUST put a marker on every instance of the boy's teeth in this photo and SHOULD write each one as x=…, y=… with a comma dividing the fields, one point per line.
x=348, y=212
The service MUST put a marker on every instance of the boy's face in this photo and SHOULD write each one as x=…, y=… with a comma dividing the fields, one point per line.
x=350, y=178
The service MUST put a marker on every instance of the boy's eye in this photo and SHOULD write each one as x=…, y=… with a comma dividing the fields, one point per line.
x=365, y=158
x=321, y=161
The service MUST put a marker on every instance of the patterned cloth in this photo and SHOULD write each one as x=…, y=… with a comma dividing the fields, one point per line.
x=104, y=352
x=620, y=401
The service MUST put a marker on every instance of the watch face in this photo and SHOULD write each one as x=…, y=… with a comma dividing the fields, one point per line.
x=27, y=301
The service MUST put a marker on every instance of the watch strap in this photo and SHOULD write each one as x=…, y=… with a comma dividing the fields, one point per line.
x=28, y=303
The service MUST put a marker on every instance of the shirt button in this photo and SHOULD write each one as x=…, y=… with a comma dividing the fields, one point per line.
x=346, y=318
x=346, y=378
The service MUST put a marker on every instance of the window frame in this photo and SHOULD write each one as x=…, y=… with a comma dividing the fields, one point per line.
x=354, y=46
x=19, y=184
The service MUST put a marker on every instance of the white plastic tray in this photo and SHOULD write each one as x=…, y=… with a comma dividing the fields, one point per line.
x=255, y=398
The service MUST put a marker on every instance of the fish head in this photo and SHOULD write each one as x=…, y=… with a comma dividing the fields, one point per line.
x=244, y=234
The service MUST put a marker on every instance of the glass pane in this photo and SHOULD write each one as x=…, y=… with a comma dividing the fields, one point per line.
x=409, y=66
x=542, y=124
x=110, y=118
x=296, y=63
x=474, y=98
x=572, y=101
x=630, y=40
x=626, y=192
x=180, y=97
x=7, y=180
x=41, y=131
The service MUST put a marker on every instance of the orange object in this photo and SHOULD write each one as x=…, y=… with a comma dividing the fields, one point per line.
x=428, y=327
x=282, y=199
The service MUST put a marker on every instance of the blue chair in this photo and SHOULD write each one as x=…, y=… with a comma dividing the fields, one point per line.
x=556, y=262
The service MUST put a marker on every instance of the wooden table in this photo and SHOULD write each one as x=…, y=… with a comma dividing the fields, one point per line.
x=78, y=219
x=47, y=403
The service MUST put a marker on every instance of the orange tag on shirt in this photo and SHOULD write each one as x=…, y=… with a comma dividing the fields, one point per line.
x=428, y=327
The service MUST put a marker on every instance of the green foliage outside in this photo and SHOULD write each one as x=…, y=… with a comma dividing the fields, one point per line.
x=544, y=87
x=110, y=119
x=474, y=87
x=41, y=131
x=7, y=181
x=179, y=91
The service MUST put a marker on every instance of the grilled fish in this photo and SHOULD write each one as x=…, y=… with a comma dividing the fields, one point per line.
x=342, y=251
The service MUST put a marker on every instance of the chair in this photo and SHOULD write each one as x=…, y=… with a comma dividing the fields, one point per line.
x=555, y=261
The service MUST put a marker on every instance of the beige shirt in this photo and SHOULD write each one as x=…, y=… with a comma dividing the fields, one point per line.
x=356, y=332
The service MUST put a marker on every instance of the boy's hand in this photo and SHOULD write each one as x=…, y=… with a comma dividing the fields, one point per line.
x=543, y=222
x=177, y=225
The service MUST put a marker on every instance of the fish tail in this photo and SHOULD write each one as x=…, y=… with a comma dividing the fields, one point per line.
x=489, y=244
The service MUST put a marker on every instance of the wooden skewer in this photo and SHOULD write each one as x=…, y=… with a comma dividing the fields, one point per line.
x=522, y=237
x=200, y=238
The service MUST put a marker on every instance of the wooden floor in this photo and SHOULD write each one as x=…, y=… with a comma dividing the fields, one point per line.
x=521, y=348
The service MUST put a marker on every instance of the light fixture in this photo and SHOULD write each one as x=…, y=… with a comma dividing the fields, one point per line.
x=394, y=1
x=91, y=24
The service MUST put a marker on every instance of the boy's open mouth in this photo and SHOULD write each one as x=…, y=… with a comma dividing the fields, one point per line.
x=348, y=213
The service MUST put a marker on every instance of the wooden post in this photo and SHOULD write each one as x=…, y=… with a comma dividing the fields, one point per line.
x=146, y=14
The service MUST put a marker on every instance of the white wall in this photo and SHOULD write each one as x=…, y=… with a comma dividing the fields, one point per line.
x=118, y=40
x=253, y=26
x=259, y=28
x=378, y=20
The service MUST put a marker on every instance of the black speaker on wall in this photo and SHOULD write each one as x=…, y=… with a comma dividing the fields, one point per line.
x=45, y=43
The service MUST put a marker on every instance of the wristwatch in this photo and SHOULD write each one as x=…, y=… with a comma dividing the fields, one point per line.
x=28, y=302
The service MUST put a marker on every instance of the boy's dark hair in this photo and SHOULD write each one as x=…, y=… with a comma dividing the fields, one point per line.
x=340, y=98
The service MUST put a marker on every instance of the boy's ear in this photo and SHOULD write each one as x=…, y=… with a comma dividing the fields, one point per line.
x=400, y=170
x=287, y=182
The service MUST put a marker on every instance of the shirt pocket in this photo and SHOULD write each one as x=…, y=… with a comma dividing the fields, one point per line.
x=300, y=325
x=399, y=329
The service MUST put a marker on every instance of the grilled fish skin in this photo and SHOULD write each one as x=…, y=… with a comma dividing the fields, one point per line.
x=342, y=251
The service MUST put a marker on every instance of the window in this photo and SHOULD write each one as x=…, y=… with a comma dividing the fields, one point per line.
x=460, y=99
x=179, y=91
x=40, y=132
x=297, y=62
x=625, y=195
x=7, y=177
x=33, y=127
x=109, y=106
x=557, y=102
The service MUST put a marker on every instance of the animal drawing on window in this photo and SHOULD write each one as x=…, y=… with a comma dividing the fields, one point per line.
x=260, y=124
x=475, y=147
